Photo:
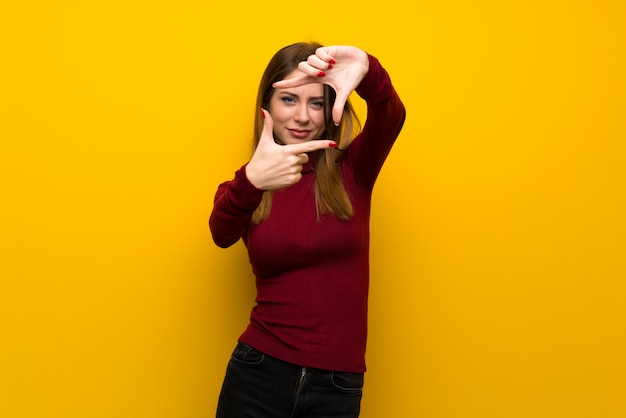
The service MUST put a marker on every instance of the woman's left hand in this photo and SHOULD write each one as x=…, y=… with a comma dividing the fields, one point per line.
x=341, y=67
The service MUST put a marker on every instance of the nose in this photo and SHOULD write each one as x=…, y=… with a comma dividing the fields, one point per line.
x=302, y=113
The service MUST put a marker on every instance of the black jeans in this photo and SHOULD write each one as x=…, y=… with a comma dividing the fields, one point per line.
x=259, y=386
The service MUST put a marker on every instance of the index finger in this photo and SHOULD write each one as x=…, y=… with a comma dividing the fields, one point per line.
x=298, y=80
x=309, y=146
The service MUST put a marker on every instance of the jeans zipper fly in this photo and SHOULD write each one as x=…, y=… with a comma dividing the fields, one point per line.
x=299, y=387
x=301, y=381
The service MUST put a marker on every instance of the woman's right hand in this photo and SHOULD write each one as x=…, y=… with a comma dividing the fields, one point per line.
x=275, y=166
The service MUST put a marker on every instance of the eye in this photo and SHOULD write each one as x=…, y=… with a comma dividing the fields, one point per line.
x=288, y=99
x=318, y=104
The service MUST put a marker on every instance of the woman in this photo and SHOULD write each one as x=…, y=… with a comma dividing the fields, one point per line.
x=301, y=205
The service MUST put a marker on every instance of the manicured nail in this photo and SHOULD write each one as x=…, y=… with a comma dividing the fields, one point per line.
x=330, y=66
x=332, y=144
x=332, y=61
x=263, y=113
x=321, y=74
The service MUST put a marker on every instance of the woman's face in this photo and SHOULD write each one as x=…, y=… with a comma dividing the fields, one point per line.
x=298, y=112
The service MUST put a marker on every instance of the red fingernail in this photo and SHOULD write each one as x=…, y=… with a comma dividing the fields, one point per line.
x=330, y=66
x=332, y=61
x=321, y=74
x=263, y=113
x=332, y=144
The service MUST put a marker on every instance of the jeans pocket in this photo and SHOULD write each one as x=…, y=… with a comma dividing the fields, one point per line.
x=347, y=382
x=246, y=355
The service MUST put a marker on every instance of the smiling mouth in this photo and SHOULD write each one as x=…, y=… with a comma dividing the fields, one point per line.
x=299, y=133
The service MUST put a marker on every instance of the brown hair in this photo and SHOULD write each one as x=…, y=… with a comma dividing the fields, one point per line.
x=330, y=193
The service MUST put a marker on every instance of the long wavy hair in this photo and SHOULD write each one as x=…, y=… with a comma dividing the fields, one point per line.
x=330, y=192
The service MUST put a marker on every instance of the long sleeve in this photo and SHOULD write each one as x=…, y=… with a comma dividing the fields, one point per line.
x=235, y=202
x=385, y=118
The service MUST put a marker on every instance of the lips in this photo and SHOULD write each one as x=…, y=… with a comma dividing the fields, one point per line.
x=299, y=133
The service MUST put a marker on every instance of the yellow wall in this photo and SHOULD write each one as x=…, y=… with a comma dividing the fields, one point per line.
x=498, y=230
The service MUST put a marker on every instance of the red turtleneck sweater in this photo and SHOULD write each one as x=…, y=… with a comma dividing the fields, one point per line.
x=312, y=277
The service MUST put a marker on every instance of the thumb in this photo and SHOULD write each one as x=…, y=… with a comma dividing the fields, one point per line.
x=340, y=102
x=267, y=134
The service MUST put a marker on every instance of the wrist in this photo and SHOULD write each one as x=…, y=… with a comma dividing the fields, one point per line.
x=250, y=174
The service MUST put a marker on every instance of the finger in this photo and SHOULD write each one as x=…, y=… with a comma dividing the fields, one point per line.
x=309, y=146
x=316, y=62
x=340, y=102
x=267, y=135
x=304, y=158
x=295, y=160
x=325, y=54
x=296, y=81
x=310, y=70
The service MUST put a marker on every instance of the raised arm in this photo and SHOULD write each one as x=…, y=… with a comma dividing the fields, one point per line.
x=385, y=117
